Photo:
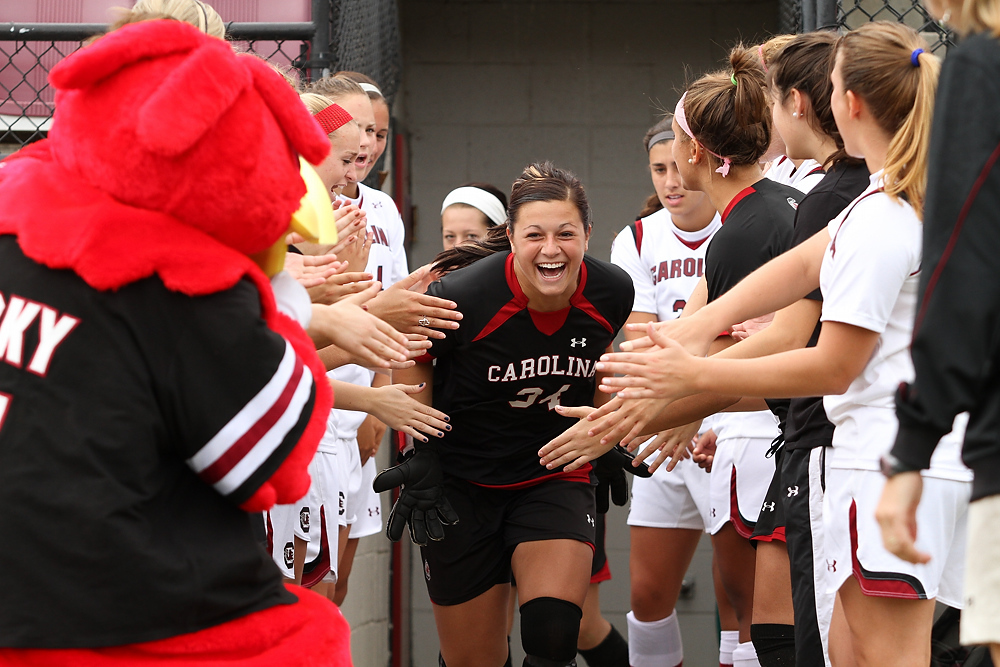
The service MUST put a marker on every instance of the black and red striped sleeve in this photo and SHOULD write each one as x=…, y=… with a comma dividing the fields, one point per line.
x=239, y=395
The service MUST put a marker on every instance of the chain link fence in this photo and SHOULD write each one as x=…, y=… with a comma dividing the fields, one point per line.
x=359, y=36
x=853, y=13
x=795, y=16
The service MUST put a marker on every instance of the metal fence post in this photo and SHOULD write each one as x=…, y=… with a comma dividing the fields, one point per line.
x=321, y=56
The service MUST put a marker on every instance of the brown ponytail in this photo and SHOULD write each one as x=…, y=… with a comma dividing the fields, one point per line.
x=731, y=120
x=876, y=63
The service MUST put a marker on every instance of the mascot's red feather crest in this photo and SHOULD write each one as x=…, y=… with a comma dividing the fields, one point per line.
x=194, y=168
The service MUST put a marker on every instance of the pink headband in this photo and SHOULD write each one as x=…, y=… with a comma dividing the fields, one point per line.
x=333, y=118
x=763, y=62
x=682, y=122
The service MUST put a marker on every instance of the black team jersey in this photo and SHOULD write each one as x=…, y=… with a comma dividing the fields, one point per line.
x=756, y=228
x=132, y=424
x=502, y=373
x=806, y=425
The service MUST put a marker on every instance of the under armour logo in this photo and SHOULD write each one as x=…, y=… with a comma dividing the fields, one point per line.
x=831, y=565
x=793, y=491
x=582, y=342
x=713, y=512
x=590, y=520
x=767, y=506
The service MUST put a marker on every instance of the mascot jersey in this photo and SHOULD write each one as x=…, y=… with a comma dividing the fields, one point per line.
x=151, y=394
x=102, y=489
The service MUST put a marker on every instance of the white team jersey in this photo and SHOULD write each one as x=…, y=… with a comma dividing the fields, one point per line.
x=803, y=178
x=387, y=264
x=664, y=262
x=869, y=279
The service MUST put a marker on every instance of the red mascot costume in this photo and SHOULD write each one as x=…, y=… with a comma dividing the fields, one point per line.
x=151, y=393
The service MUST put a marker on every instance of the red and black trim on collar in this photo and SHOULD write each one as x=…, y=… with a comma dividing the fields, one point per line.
x=743, y=194
x=546, y=322
x=694, y=245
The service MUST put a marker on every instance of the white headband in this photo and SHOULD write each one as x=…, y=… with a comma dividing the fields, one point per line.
x=481, y=199
x=369, y=88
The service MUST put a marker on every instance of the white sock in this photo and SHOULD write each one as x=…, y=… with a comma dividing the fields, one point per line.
x=656, y=643
x=745, y=655
x=728, y=641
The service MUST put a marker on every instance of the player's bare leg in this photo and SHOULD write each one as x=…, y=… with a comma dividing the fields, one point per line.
x=473, y=634
x=887, y=632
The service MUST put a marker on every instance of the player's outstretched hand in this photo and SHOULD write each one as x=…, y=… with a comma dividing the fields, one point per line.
x=405, y=306
x=422, y=504
x=665, y=371
x=368, y=340
x=311, y=271
x=897, y=515
x=674, y=444
x=396, y=407
x=573, y=447
x=693, y=333
x=609, y=469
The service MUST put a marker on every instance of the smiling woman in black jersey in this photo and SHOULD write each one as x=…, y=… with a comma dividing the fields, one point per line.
x=537, y=314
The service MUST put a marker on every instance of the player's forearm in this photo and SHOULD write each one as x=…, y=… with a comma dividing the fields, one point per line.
x=779, y=283
x=687, y=410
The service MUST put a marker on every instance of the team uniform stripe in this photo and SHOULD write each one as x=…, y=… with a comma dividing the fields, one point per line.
x=314, y=571
x=247, y=416
x=881, y=584
x=239, y=449
x=743, y=526
x=246, y=441
x=288, y=416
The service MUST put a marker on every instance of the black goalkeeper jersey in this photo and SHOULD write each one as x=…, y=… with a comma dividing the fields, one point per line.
x=132, y=424
x=502, y=373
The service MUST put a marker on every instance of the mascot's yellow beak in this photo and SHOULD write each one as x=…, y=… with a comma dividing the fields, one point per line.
x=314, y=221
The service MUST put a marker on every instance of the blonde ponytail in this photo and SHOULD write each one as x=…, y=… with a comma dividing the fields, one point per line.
x=885, y=64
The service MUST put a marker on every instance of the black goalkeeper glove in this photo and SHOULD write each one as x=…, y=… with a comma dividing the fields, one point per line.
x=421, y=503
x=610, y=471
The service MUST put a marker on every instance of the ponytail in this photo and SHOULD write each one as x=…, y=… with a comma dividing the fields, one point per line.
x=728, y=112
x=880, y=63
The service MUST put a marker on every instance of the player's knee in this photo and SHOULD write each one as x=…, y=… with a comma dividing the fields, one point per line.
x=650, y=600
x=549, y=630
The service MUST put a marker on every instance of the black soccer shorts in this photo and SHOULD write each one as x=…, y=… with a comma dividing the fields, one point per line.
x=475, y=553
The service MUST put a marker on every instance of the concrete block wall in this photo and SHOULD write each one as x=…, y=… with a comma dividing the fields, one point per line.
x=489, y=86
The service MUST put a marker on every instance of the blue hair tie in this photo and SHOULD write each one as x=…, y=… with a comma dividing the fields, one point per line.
x=915, y=57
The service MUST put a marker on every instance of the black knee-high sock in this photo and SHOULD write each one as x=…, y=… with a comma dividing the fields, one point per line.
x=611, y=652
x=775, y=644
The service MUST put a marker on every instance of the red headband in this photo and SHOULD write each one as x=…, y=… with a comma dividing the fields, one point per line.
x=332, y=118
